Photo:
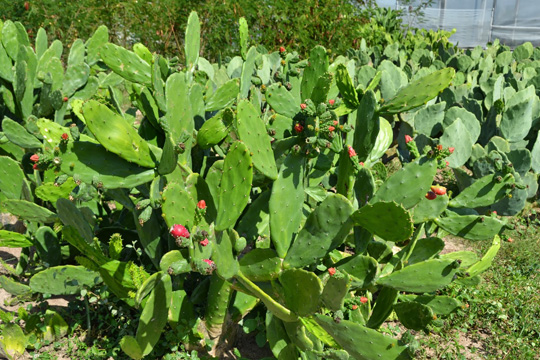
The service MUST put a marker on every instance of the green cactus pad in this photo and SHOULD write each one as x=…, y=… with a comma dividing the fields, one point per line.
x=486, y=260
x=324, y=230
x=302, y=290
x=440, y=304
x=13, y=239
x=346, y=87
x=226, y=264
x=13, y=342
x=260, y=265
x=483, y=192
x=427, y=210
x=424, y=249
x=13, y=287
x=367, y=126
x=286, y=203
x=219, y=295
x=408, y=185
x=215, y=129
x=282, y=101
x=252, y=131
x=192, y=44
x=276, y=334
x=178, y=206
x=256, y=220
x=383, y=307
x=126, y=64
x=467, y=258
x=64, y=280
x=93, y=164
x=235, y=185
x=363, y=270
x=427, y=276
x=297, y=334
x=175, y=261
x=518, y=115
x=29, y=211
x=11, y=179
x=377, y=216
x=116, y=135
x=48, y=246
x=317, y=66
x=131, y=347
x=382, y=142
x=224, y=96
x=334, y=292
x=179, y=113
x=322, y=88
x=154, y=315
x=361, y=342
x=419, y=92
x=94, y=43
x=458, y=136
x=414, y=315
x=52, y=192
x=17, y=134
x=471, y=226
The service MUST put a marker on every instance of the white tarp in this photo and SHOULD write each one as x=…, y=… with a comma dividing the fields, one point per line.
x=479, y=21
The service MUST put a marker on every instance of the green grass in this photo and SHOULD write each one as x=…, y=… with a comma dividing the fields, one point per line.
x=502, y=320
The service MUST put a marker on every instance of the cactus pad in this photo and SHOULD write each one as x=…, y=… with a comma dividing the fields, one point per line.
x=376, y=218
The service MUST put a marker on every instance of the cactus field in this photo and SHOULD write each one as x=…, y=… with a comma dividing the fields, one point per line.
x=310, y=199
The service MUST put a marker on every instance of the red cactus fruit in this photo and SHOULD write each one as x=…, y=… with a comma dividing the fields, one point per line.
x=439, y=147
x=361, y=163
x=494, y=212
x=201, y=204
x=65, y=98
x=363, y=299
x=354, y=307
x=178, y=230
x=438, y=190
x=332, y=271
x=303, y=106
x=64, y=136
x=431, y=195
x=331, y=102
x=331, y=128
x=298, y=128
x=209, y=262
x=351, y=152
x=35, y=166
x=451, y=149
x=204, y=242
x=26, y=5
x=335, y=122
x=407, y=139
x=281, y=49
x=34, y=158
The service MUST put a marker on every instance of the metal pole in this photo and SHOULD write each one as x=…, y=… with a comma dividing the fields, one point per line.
x=491, y=24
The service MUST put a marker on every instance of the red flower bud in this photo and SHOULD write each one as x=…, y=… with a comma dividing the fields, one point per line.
x=65, y=136
x=209, y=262
x=335, y=122
x=331, y=128
x=179, y=231
x=332, y=271
x=451, y=149
x=65, y=98
x=298, y=128
x=201, y=204
x=363, y=299
x=407, y=139
x=431, y=195
x=510, y=240
x=35, y=166
x=331, y=102
x=361, y=163
x=34, y=158
x=439, y=147
x=281, y=49
x=303, y=106
x=351, y=152
x=26, y=5
x=447, y=163
x=438, y=190
x=354, y=307
x=204, y=242
x=494, y=212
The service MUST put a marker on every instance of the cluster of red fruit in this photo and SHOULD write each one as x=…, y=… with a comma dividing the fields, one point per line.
x=435, y=190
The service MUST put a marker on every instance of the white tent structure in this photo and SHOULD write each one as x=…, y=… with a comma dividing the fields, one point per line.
x=479, y=21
